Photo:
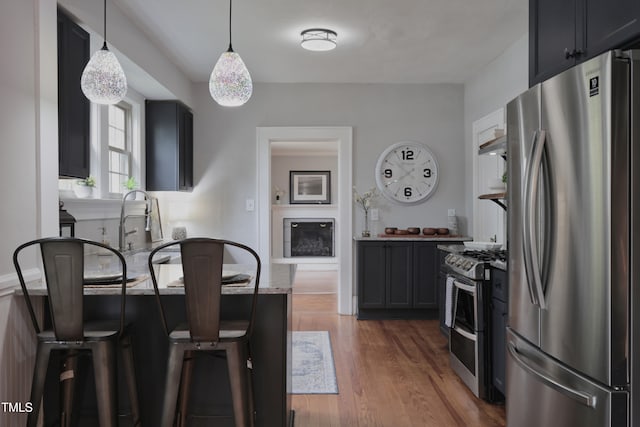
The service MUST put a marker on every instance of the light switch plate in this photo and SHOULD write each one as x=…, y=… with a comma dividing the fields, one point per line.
x=250, y=205
x=374, y=214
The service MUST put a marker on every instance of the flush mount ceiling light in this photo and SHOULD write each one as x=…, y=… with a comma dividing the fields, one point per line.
x=230, y=82
x=318, y=39
x=103, y=80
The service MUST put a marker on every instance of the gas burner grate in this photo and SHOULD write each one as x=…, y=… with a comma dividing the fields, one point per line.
x=486, y=255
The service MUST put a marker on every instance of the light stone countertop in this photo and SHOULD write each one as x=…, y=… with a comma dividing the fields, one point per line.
x=414, y=238
x=274, y=279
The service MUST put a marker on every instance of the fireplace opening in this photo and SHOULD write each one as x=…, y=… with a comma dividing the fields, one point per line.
x=308, y=237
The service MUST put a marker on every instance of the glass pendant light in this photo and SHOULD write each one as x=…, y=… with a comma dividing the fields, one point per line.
x=230, y=83
x=103, y=80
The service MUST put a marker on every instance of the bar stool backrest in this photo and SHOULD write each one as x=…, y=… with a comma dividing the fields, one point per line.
x=202, y=262
x=63, y=264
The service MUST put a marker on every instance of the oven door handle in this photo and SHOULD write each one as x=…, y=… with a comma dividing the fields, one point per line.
x=467, y=335
x=467, y=288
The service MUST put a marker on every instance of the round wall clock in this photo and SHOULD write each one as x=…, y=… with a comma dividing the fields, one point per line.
x=407, y=173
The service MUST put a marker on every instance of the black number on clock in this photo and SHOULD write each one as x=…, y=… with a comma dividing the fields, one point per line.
x=407, y=154
x=407, y=191
x=427, y=173
x=388, y=173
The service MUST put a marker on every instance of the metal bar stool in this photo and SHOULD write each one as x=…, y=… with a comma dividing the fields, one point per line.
x=63, y=263
x=202, y=260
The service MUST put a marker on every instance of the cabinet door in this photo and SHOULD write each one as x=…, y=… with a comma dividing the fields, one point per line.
x=73, y=107
x=399, y=274
x=169, y=146
x=498, y=343
x=186, y=150
x=610, y=24
x=371, y=259
x=425, y=285
x=552, y=29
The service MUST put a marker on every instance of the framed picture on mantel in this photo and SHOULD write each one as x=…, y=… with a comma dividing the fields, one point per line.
x=310, y=187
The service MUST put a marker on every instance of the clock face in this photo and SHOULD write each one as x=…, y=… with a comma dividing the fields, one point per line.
x=407, y=173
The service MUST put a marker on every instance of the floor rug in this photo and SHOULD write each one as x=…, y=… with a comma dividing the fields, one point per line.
x=313, y=370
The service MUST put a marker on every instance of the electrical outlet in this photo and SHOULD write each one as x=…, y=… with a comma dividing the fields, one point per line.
x=452, y=212
x=374, y=214
x=250, y=205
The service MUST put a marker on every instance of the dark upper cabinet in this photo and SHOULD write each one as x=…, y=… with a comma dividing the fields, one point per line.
x=552, y=29
x=73, y=107
x=564, y=33
x=610, y=24
x=169, y=146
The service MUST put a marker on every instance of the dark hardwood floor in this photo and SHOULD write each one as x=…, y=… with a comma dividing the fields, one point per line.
x=391, y=373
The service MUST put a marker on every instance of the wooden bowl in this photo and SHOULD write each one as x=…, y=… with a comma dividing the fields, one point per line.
x=429, y=231
x=390, y=230
x=443, y=231
x=413, y=230
x=401, y=232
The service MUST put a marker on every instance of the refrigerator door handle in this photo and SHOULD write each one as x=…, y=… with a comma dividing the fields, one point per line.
x=577, y=395
x=532, y=262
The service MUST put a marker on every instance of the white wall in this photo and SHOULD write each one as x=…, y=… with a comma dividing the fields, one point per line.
x=225, y=147
x=493, y=87
x=21, y=109
x=124, y=36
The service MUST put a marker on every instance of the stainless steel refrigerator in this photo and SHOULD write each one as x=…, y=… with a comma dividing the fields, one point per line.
x=573, y=333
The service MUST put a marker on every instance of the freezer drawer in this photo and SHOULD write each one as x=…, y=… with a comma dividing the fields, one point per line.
x=543, y=392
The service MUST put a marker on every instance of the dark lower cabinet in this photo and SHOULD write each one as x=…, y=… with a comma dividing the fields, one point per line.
x=565, y=33
x=397, y=279
x=499, y=303
x=73, y=107
x=169, y=146
x=425, y=261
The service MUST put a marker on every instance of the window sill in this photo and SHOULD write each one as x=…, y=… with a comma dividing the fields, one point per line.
x=84, y=209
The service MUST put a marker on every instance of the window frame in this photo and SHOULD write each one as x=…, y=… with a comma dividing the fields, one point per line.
x=128, y=150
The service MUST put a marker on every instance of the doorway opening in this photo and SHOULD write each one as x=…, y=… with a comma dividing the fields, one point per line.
x=282, y=150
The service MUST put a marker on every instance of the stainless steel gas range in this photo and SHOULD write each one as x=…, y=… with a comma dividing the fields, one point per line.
x=468, y=317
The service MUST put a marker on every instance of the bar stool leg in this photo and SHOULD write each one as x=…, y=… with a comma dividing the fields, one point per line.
x=130, y=373
x=104, y=365
x=237, y=366
x=174, y=370
x=185, y=388
x=37, y=385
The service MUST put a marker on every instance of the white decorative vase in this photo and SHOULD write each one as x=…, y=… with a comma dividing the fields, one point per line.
x=82, y=191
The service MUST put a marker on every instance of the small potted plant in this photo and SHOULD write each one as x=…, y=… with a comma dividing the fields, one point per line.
x=84, y=187
x=130, y=184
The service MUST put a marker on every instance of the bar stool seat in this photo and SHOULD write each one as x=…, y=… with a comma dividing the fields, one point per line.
x=202, y=261
x=63, y=263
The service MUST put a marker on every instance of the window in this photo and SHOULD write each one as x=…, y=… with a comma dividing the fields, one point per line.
x=120, y=146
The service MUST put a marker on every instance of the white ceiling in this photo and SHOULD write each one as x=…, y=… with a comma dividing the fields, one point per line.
x=379, y=41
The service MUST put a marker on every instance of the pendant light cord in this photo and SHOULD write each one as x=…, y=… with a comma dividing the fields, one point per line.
x=104, y=25
x=230, y=48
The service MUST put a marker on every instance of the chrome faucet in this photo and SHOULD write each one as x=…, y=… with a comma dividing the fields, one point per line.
x=122, y=233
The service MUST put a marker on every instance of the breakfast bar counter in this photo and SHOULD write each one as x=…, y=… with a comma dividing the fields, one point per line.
x=210, y=397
